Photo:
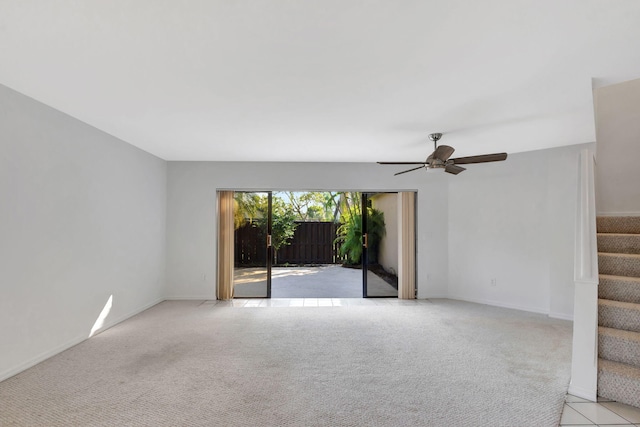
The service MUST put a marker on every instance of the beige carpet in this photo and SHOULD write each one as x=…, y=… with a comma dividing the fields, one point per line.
x=429, y=363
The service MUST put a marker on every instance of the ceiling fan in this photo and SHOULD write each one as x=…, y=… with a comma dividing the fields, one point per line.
x=439, y=159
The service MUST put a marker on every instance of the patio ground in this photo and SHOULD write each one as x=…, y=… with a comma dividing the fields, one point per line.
x=328, y=281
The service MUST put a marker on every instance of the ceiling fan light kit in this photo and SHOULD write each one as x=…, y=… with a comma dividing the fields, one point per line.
x=440, y=159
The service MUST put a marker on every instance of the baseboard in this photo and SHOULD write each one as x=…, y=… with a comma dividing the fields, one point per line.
x=500, y=304
x=583, y=393
x=561, y=316
x=435, y=296
x=617, y=213
x=191, y=298
x=73, y=342
x=553, y=315
x=41, y=358
x=127, y=316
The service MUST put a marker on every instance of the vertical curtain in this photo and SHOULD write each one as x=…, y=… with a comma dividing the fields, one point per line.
x=406, y=245
x=225, y=245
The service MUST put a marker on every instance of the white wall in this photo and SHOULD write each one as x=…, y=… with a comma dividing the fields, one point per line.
x=617, y=110
x=82, y=218
x=511, y=232
x=191, y=214
x=512, y=221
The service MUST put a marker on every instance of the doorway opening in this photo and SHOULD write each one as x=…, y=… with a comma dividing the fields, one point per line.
x=330, y=244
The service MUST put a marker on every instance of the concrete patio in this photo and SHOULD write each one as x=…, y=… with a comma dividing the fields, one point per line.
x=328, y=281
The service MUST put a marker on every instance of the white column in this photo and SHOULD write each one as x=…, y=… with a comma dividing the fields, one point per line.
x=584, y=362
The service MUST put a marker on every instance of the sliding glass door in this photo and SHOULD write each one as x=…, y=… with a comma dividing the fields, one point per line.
x=253, y=252
x=372, y=231
x=380, y=245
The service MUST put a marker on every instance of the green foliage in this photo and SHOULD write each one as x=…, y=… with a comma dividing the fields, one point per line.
x=247, y=207
x=254, y=208
x=283, y=224
x=376, y=230
x=312, y=205
x=350, y=236
x=288, y=207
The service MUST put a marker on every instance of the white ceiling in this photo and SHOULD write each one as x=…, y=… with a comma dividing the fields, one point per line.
x=323, y=80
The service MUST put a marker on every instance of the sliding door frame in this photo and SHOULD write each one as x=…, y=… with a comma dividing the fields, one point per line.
x=269, y=247
x=364, y=202
x=365, y=254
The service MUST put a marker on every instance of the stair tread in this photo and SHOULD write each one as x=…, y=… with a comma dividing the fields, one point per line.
x=619, y=381
x=619, y=304
x=620, y=264
x=619, y=315
x=619, y=254
x=619, y=224
x=619, y=288
x=619, y=333
x=619, y=368
x=621, y=243
x=615, y=277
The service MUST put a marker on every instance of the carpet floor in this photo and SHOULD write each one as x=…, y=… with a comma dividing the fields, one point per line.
x=426, y=363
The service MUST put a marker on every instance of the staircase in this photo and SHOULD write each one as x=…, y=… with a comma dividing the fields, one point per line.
x=619, y=309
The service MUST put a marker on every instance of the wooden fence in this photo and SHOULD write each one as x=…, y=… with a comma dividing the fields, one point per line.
x=312, y=243
x=250, y=246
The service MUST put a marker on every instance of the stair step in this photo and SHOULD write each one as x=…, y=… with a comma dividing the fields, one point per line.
x=619, y=346
x=619, y=382
x=619, y=288
x=619, y=243
x=619, y=315
x=618, y=224
x=619, y=264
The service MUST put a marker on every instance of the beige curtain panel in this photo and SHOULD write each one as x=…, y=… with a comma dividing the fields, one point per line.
x=225, y=245
x=407, y=245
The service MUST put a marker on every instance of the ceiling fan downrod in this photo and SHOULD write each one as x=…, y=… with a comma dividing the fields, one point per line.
x=435, y=137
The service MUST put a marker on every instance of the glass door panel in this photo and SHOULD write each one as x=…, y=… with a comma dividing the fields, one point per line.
x=380, y=245
x=252, y=245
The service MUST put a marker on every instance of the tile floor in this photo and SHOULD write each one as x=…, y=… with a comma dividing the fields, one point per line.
x=577, y=412
x=314, y=302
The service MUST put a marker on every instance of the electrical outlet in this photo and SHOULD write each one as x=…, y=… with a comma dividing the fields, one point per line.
x=493, y=281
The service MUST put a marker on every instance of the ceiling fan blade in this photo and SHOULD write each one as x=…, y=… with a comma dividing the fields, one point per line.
x=480, y=159
x=454, y=169
x=410, y=170
x=400, y=163
x=443, y=152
